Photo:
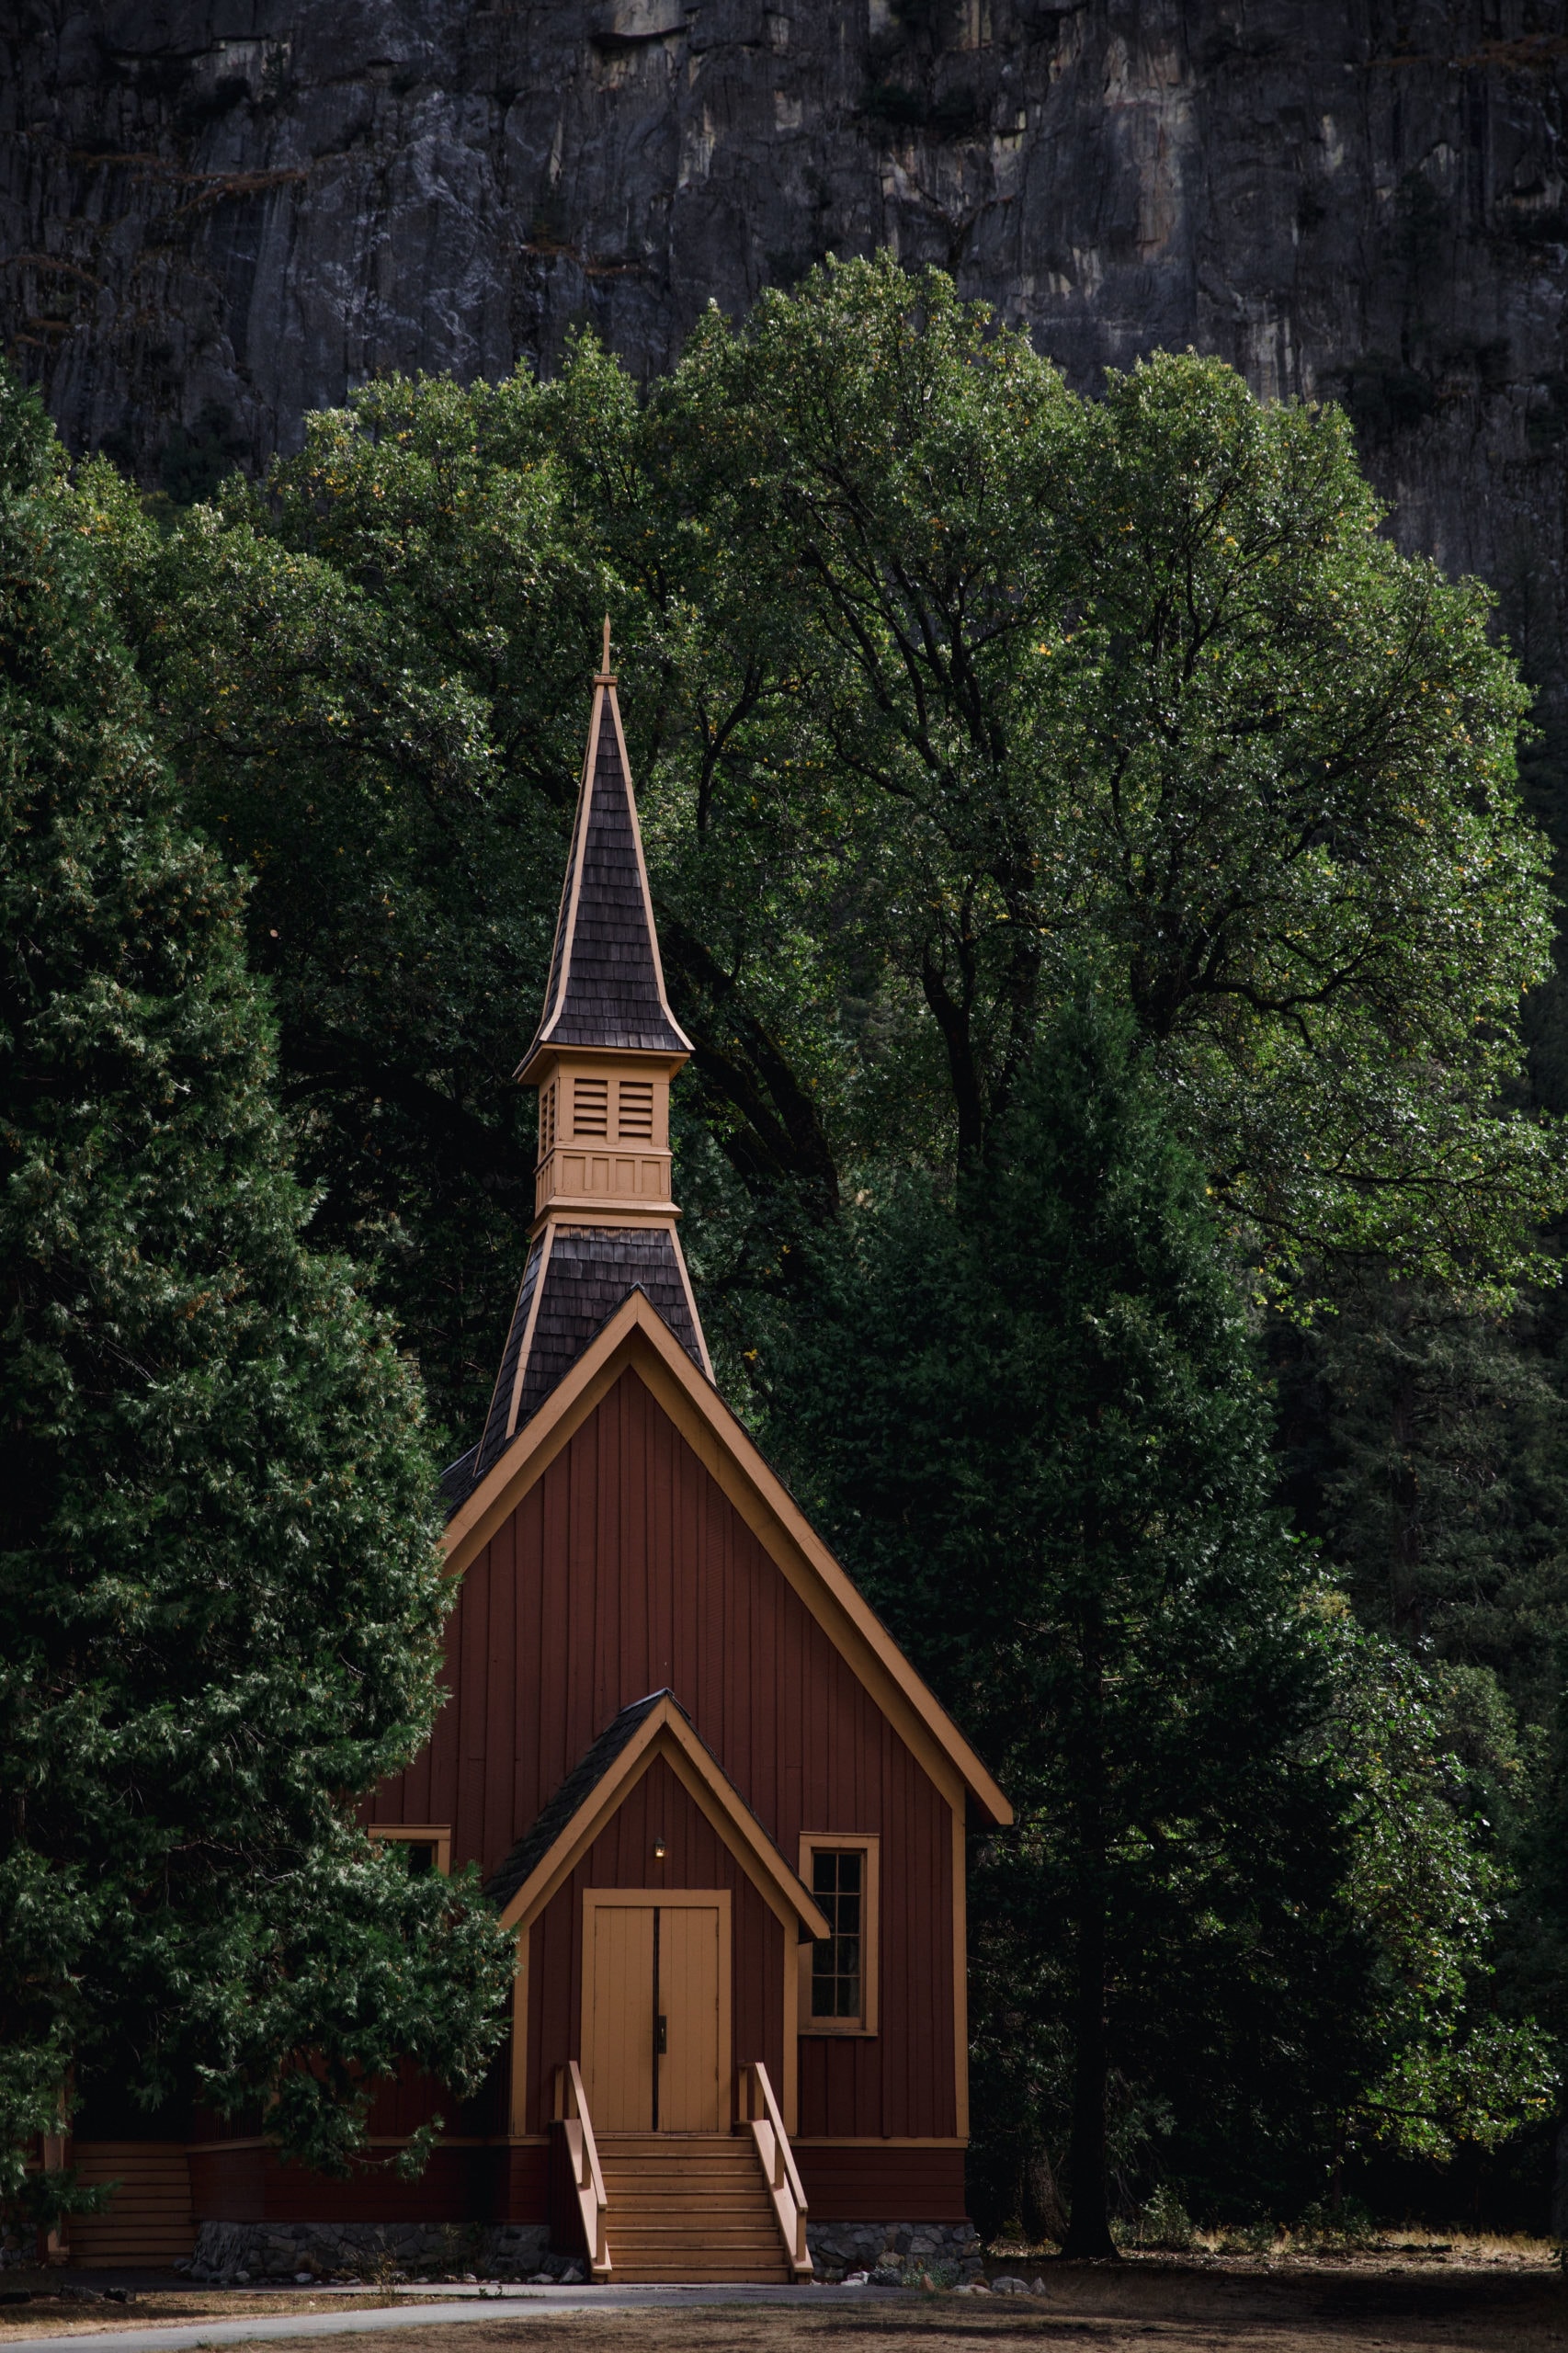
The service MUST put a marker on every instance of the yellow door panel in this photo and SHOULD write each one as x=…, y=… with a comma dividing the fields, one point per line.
x=617, y=2037
x=688, y=2001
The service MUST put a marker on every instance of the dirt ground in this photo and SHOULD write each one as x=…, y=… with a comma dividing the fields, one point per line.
x=1387, y=2306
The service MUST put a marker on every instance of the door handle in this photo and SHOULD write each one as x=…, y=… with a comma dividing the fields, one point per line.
x=660, y=2045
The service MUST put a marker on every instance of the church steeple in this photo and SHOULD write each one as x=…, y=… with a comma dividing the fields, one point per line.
x=607, y=984
x=606, y=1050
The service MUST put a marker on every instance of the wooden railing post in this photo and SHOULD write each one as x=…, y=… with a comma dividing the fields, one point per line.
x=572, y=2114
x=760, y=2111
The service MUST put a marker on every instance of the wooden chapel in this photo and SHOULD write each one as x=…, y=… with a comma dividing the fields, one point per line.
x=721, y=1811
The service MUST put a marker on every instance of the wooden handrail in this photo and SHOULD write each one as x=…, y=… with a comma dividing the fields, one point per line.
x=572, y=2112
x=777, y=2164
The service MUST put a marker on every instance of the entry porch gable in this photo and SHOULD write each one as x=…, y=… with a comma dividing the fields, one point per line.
x=652, y=1732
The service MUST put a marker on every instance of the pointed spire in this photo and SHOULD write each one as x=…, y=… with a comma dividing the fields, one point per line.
x=606, y=1052
x=606, y=983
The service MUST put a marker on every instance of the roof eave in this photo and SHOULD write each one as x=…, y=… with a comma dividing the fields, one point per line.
x=535, y=1064
x=634, y=1328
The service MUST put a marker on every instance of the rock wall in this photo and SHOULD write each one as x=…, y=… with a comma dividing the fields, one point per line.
x=215, y=214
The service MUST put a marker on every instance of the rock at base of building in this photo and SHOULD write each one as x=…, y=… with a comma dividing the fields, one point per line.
x=895, y=2254
x=374, y=2250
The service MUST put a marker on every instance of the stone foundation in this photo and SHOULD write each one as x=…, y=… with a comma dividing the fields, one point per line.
x=892, y=2253
x=372, y=2250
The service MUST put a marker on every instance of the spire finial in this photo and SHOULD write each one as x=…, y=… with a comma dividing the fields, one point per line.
x=607, y=675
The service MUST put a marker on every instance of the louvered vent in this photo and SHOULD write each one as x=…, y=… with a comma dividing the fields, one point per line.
x=590, y=1106
x=636, y=1110
x=547, y=1119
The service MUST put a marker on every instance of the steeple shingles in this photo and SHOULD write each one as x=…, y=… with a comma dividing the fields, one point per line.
x=607, y=1022
x=606, y=984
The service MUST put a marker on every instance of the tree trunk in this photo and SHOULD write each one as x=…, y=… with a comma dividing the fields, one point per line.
x=1088, y=2232
x=1560, y=2192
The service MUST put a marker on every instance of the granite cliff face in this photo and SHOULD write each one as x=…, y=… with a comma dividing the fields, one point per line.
x=215, y=214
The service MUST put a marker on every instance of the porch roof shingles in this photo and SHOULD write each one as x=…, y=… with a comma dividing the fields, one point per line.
x=556, y=1816
x=574, y=1793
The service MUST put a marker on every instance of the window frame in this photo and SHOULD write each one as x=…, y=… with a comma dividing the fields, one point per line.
x=418, y=1833
x=869, y=1846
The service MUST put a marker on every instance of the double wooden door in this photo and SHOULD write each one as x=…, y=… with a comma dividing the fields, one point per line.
x=656, y=2010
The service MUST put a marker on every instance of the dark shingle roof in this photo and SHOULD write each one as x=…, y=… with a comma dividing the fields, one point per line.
x=590, y=1271
x=575, y=1791
x=605, y=988
x=579, y=1788
x=493, y=1436
x=458, y=1478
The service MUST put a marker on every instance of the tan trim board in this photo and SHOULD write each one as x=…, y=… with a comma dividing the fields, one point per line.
x=496, y=1385
x=869, y=1845
x=570, y=1404
x=519, y=1373
x=642, y=867
x=573, y=878
x=378, y=2140
x=665, y=1733
x=517, y=2104
x=416, y=1834
x=701, y=1342
x=960, y=1973
x=790, y=2090
x=637, y=1336
x=875, y=2140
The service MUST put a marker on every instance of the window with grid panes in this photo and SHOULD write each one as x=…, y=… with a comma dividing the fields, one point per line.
x=837, y=1962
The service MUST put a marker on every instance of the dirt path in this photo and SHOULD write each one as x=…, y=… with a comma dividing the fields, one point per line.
x=1084, y=2314
x=1141, y=2307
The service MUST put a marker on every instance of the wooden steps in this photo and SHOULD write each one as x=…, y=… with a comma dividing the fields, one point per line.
x=689, y=2207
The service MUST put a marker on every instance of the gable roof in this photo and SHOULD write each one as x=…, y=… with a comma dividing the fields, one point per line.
x=656, y=1727
x=636, y=1337
x=606, y=983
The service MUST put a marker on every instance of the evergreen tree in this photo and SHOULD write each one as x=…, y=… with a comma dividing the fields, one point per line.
x=1422, y=1441
x=219, y=1596
x=1030, y=1420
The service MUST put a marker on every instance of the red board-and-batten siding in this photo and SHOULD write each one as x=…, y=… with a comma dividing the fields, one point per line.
x=627, y=1563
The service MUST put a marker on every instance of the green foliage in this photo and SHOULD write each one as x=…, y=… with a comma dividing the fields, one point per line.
x=943, y=686
x=1335, y=2227
x=1028, y=1421
x=219, y=1599
x=1163, y=2223
x=1139, y=679
x=1428, y=1444
x=1427, y=1878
